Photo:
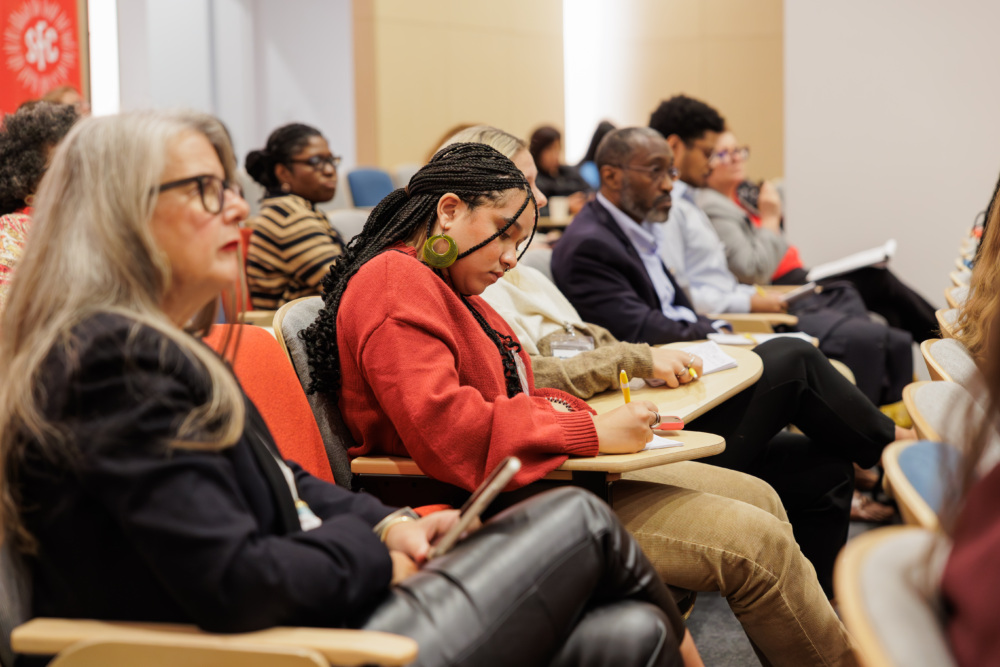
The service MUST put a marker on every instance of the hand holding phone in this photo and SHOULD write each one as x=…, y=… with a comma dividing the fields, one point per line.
x=477, y=504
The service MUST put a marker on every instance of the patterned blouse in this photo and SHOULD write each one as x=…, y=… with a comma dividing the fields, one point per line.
x=13, y=234
x=291, y=249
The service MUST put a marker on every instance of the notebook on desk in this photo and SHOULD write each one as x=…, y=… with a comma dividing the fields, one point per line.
x=754, y=338
x=659, y=442
x=712, y=356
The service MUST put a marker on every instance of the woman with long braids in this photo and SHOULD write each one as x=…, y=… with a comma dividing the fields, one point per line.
x=292, y=245
x=141, y=484
x=424, y=368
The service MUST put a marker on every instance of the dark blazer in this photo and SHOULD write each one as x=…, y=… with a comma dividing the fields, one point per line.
x=130, y=529
x=600, y=272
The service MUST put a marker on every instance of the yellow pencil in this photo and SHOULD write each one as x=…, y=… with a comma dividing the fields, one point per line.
x=693, y=372
x=623, y=380
x=760, y=290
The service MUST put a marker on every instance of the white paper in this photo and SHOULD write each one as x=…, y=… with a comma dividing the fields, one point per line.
x=755, y=338
x=659, y=442
x=858, y=260
x=714, y=358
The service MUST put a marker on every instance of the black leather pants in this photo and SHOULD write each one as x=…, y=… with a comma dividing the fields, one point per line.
x=554, y=580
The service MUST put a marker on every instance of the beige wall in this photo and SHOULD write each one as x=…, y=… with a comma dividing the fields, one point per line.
x=900, y=139
x=728, y=53
x=437, y=63
x=443, y=62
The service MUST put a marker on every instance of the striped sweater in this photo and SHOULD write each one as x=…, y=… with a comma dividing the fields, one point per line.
x=291, y=249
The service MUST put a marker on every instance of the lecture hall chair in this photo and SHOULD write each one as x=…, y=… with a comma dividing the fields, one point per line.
x=590, y=173
x=887, y=584
x=368, y=186
x=946, y=319
x=917, y=476
x=948, y=359
x=956, y=295
x=348, y=222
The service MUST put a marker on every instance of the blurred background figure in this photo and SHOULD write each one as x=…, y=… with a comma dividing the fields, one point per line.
x=293, y=245
x=27, y=140
x=554, y=178
x=68, y=95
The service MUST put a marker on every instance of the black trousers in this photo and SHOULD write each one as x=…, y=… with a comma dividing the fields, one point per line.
x=554, y=580
x=886, y=295
x=812, y=474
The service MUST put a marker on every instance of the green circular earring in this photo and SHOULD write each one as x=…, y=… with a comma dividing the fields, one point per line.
x=440, y=260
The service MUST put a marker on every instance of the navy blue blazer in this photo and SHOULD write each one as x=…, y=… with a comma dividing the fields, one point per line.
x=600, y=272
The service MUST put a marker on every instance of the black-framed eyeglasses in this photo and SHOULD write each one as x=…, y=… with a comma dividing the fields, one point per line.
x=211, y=189
x=726, y=155
x=656, y=174
x=319, y=162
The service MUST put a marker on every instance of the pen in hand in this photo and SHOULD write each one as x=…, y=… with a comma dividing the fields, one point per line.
x=623, y=380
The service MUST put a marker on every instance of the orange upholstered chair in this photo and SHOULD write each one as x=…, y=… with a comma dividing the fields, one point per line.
x=270, y=381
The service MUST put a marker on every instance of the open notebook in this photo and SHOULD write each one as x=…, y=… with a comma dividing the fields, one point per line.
x=659, y=442
x=754, y=338
x=859, y=260
x=714, y=358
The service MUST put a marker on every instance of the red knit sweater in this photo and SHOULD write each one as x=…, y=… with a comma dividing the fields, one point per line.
x=420, y=378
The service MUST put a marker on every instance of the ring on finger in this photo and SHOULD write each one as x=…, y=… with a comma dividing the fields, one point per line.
x=684, y=372
x=656, y=421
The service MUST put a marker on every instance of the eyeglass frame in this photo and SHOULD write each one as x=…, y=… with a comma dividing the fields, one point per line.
x=672, y=172
x=200, y=179
x=742, y=151
x=321, y=162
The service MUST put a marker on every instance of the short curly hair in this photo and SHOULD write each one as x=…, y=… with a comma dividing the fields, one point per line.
x=686, y=117
x=25, y=140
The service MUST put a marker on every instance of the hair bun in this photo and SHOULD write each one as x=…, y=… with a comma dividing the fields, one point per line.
x=260, y=165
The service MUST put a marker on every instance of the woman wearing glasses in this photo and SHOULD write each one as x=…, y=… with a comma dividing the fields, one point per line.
x=143, y=485
x=293, y=244
x=750, y=223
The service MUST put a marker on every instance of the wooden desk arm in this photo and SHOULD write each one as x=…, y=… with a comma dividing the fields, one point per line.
x=260, y=318
x=779, y=289
x=50, y=636
x=756, y=322
x=696, y=445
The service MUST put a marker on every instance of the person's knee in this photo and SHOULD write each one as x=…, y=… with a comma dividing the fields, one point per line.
x=625, y=633
x=786, y=358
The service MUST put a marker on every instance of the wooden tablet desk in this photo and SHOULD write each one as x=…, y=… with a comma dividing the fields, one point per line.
x=595, y=473
x=695, y=398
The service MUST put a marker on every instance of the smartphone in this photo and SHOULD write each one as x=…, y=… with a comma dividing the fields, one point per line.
x=801, y=292
x=670, y=424
x=477, y=503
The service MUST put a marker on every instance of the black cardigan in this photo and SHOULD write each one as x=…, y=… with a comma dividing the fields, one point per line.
x=129, y=529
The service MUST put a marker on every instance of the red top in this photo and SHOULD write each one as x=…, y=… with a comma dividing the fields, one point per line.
x=971, y=581
x=420, y=378
x=790, y=261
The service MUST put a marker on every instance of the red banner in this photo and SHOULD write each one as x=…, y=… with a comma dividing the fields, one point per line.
x=41, y=49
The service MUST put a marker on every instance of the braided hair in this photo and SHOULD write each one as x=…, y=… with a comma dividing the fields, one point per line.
x=282, y=145
x=477, y=174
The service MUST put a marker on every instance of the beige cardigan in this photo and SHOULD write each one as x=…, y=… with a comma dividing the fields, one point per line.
x=536, y=310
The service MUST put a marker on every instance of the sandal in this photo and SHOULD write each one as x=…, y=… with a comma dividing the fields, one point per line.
x=864, y=508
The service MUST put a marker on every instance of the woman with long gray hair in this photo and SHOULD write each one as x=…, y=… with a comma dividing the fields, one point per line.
x=142, y=484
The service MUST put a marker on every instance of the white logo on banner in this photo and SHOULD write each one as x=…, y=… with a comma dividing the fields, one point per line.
x=40, y=45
